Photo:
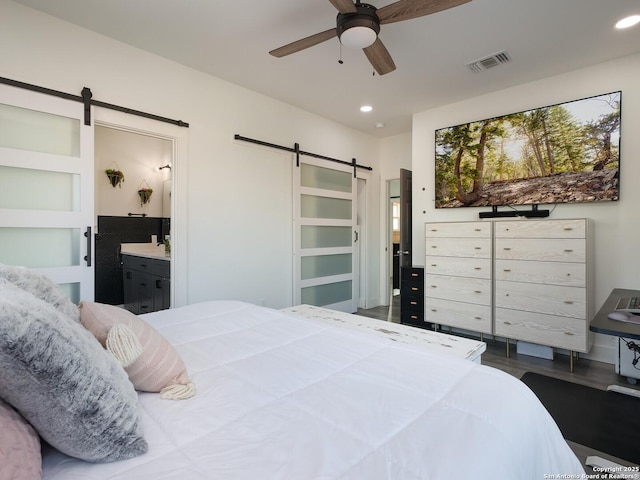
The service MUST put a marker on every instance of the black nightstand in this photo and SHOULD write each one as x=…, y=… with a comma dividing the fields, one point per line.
x=412, y=296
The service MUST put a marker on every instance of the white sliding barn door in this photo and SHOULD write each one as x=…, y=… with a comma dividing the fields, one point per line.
x=47, y=188
x=325, y=235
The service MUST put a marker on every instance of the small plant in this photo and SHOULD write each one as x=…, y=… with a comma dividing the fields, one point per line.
x=115, y=177
x=145, y=195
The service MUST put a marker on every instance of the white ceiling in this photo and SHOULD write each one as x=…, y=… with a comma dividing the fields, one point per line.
x=231, y=40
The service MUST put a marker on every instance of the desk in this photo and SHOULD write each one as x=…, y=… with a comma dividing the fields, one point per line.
x=603, y=324
x=629, y=331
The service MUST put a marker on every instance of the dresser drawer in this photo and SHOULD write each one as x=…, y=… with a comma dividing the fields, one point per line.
x=552, y=273
x=458, y=314
x=538, y=298
x=458, y=247
x=412, y=274
x=458, y=229
x=556, y=250
x=572, y=228
x=413, y=304
x=459, y=267
x=552, y=330
x=469, y=290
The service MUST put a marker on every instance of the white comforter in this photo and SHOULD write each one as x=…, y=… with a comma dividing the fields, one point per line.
x=284, y=397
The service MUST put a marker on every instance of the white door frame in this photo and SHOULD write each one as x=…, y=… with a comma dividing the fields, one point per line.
x=178, y=136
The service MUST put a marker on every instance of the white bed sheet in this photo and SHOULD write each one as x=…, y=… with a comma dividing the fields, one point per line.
x=285, y=397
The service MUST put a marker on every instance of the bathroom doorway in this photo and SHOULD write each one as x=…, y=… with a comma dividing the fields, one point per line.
x=133, y=190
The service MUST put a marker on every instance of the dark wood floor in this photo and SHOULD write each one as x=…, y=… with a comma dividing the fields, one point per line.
x=587, y=372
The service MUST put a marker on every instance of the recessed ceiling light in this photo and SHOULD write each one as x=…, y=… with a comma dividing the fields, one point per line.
x=628, y=21
x=366, y=108
x=379, y=124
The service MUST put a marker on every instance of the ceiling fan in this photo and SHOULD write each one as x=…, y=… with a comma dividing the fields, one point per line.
x=358, y=26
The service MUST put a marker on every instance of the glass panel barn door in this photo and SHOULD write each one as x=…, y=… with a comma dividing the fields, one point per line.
x=325, y=236
x=46, y=188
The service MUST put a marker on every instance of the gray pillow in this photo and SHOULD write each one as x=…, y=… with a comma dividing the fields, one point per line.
x=61, y=380
x=42, y=287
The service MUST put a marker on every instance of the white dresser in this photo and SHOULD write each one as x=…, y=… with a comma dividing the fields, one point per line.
x=458, y=275
x=542, y=282
x=522, y=279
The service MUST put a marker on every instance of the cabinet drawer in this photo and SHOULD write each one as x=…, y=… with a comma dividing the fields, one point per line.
x=140, y=264
x=552, y=330
x=458, y=314
x=412, y=304
x=412, y=274
x=161, y=268
x=556, y=250
x=552, y=273
x=538, y=298
x=469, y=290
x=459, y=247
x=572, y=228
x=459, y=267
x=458, y=229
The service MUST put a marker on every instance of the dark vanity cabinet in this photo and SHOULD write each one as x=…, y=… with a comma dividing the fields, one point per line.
x=147, y=283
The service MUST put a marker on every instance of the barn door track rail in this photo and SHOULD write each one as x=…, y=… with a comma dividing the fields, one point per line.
x=298, y=152
x=86, y=98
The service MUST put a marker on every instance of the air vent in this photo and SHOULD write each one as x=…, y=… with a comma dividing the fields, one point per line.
x=491, y=61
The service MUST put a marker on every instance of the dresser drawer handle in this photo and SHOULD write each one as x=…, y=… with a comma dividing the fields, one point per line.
x=414, y=274
x=414, y=317
x=434, y=264
x=568, y=250
x=478, y=248
x=569, y=302
x=507, y=322
x=507, y=248
x=413, y=303
x=477, y=230
x=507, y=270
x=568, y=229
x=478, y=318
x=434, y=309
x=434, y=229
x=478, y=291
x=434, y=286
x=477, y=268
x=414, y=289
x=434, y=246
x=568, y=333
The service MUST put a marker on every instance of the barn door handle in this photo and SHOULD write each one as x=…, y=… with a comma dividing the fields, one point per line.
x=87, y=257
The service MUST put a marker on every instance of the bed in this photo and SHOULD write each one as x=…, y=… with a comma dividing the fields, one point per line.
x=285, y=397
x=252, y=393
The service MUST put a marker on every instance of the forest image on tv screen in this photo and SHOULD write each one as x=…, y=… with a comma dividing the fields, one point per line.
x=557, y=154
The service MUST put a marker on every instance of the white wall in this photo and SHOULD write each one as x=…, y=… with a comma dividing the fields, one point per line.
x=617, y=228
x=235, y=199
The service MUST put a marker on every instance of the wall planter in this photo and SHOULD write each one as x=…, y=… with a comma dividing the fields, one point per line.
x=145, y=195
x=115, y=177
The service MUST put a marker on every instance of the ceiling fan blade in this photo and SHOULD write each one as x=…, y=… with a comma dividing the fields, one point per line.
x=304, y=43
x=344, y=6
x=408, y=9
x=379, y=57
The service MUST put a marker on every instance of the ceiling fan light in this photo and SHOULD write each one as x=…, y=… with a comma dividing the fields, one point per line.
x=628, y=22
x=358, y=37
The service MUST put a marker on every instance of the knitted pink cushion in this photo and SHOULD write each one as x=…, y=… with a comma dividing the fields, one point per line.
x=151, y=362
x=19, y=446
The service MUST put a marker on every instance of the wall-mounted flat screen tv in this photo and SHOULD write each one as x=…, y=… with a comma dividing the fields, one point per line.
x=564, y=153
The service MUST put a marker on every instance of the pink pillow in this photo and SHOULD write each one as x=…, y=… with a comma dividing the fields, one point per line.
x=20, y=456
x=151, y=362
